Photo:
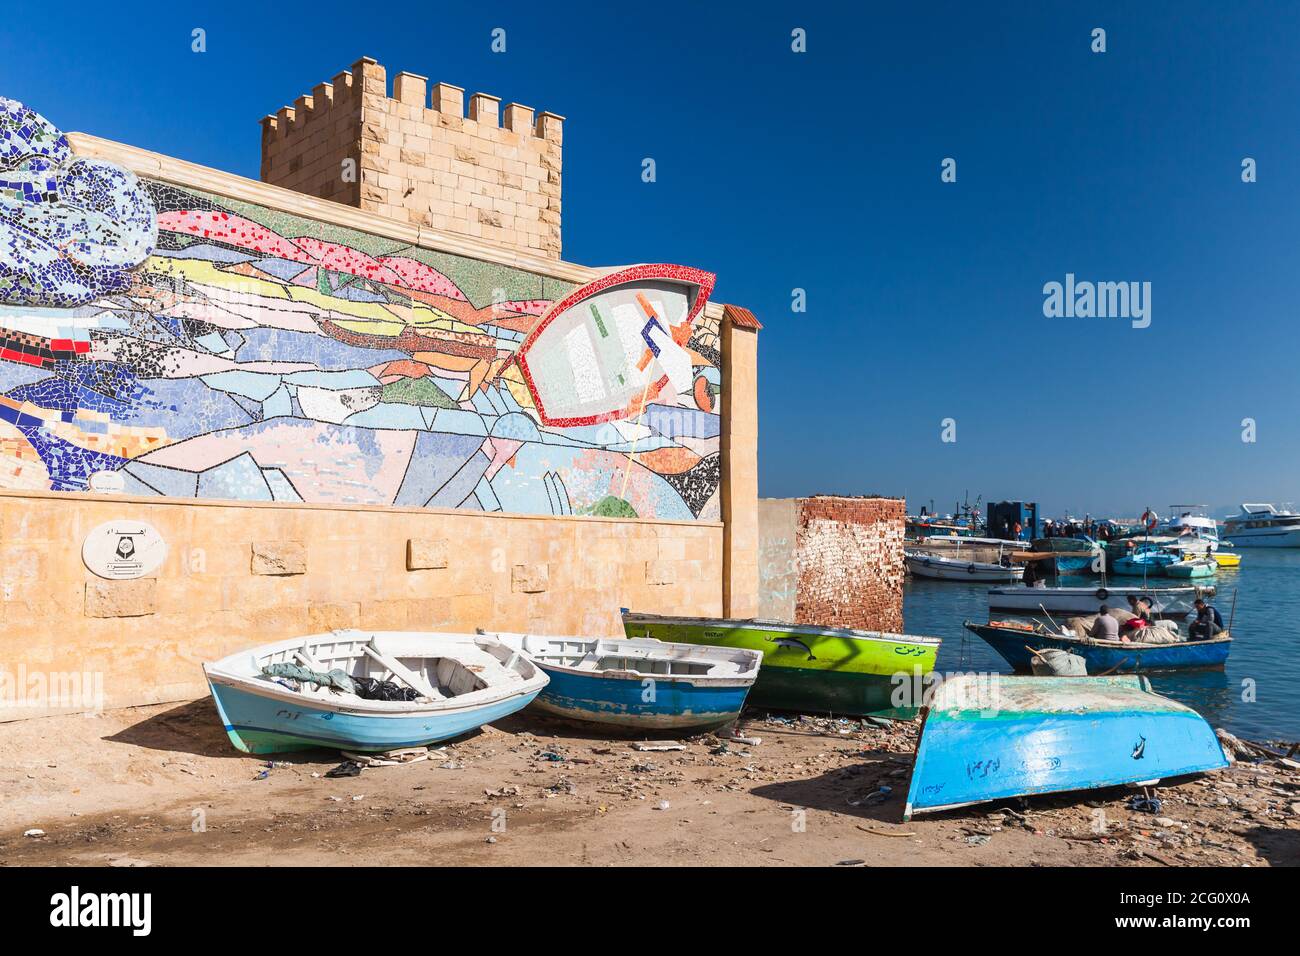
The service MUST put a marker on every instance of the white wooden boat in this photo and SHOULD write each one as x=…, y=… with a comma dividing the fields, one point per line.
x=945, y=568
x=1174, y=603
x=460, y=682
x=639, y=683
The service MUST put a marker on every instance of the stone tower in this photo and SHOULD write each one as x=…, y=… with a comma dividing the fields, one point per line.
x=417, y=158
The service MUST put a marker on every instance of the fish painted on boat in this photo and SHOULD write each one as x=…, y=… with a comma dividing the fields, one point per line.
x=992, y=737
x=806, y=667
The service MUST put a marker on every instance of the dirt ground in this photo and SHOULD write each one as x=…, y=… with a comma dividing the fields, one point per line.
x=162, y=786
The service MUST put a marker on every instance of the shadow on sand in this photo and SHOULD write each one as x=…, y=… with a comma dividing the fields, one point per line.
x=192, y=728
x=847, y=790
x=1281, y=847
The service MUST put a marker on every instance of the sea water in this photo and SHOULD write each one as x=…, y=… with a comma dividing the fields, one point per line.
x=1256, y=696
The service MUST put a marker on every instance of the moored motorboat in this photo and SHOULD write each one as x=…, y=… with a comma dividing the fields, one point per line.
x=306, y=691
x=1192, y=568
x=945, y=568
x=1225, y=559
x=1263, y=526
x=1014, y=640
x=1072, y=555
x=806, y=667
x=638, y=684
x=990, y=737
x=1166, y=602
x=1143, y=564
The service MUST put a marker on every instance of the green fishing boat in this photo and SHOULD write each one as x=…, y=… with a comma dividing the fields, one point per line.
x=810, y=668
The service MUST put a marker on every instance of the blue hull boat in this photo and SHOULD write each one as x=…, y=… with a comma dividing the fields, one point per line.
x=989, y=737
x=639, y=684
x=1104, y=657
x=459, y=682
x=1149, y=564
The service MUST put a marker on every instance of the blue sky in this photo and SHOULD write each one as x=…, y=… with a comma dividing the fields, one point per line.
x=821, y=171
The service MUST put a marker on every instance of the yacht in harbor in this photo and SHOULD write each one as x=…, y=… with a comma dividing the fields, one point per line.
x=1263, y=526
x=1192, y=528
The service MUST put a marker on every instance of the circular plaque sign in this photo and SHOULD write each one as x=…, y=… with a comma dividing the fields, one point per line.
x=123, y=549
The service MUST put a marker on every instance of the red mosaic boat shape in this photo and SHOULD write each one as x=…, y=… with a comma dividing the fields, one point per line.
x=610, y=347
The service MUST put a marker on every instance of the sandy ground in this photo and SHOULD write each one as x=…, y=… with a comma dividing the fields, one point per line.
x=162, y=786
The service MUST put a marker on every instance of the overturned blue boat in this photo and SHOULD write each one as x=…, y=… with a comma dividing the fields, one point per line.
x=992, y=737
x=1013, y=639
x=639, y=684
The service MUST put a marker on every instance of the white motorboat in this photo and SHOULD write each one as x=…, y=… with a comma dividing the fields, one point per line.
x=1194, y=531
x=945, y=568
x=1263, y=526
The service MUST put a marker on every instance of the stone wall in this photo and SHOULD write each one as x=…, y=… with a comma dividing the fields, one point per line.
x=417, y=157
x=240, y=574
x=833, y=561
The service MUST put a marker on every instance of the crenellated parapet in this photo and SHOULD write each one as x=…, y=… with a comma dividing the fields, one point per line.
x=423, y=155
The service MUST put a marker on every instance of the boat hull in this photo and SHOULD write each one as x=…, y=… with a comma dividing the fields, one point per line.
x=1265, y=539
x=1191, y=569
x=1011, y=642
x=1053, y=735
x=263, y=724
x=824, y=670
x=952, y=569
x=643, y=702
x=1172, y=603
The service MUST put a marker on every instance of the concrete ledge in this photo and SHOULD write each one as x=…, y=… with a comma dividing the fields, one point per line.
x=530, y=578
x=660, y=573
x=426, y=553
x=279, y=557
x=134, y=598
x=160, y=501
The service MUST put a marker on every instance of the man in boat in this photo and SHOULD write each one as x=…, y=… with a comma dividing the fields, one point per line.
x=1105, y=628
x=1208, y=621
x=1032, y=578
x=1140, y=606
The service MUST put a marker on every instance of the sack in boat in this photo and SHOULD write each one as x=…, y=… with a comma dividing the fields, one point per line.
x=1058, y=663
x=1161, y=632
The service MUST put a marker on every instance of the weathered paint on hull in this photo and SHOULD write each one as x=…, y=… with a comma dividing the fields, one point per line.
x=805, y=669
x=676, y=704
x=1093, y=732
x=833, y=692
x=263, y=725
x=1187, y=655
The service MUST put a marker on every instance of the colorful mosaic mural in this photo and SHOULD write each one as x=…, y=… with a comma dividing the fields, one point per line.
x=205, y=347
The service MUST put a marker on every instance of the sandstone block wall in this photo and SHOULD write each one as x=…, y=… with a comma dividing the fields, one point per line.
x=241, y=574
x=418, y=157
x=832, y=560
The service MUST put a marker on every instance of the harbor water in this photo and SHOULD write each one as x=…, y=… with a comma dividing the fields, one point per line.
x=1256, y=696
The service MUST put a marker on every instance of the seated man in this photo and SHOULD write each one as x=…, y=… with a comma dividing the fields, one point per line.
x=1208, y=623
x=1105, y=628
x=1141, y=606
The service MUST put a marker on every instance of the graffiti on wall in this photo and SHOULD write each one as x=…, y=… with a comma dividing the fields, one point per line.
x=200, y=346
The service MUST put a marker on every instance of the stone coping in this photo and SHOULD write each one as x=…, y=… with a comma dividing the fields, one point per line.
x=159, y=501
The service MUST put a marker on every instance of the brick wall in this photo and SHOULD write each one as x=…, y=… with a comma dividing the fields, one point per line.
x=493, y=174
x=833, y=561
